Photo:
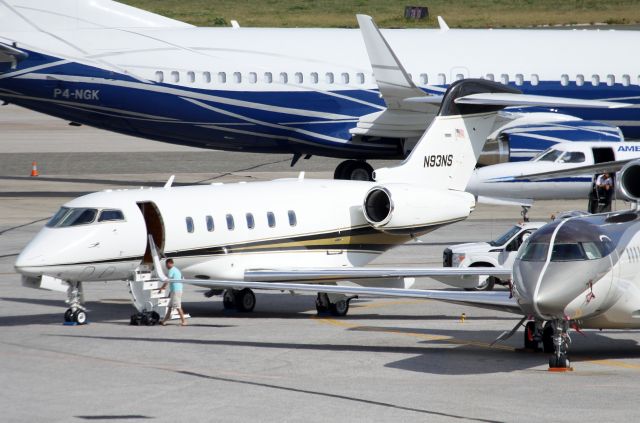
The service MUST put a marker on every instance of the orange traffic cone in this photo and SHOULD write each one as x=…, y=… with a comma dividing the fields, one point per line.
x=34, y=169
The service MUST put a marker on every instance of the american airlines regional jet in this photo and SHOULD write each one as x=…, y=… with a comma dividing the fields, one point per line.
x=303, y=91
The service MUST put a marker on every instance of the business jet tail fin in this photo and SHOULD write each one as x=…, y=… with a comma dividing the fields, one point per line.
x=29, y=15
x=449, y=149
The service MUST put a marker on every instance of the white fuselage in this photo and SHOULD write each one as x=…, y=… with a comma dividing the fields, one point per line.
x=287, y=90
x=497, y=181
x=277, y=224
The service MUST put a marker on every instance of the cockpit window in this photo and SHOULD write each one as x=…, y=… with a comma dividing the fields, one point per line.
x=576, y=251
x=577, y=239
x=549, y=156
x=572, y=157
x=505, y=237
x=533, y=251
x=77, y=217
x=110, y=216
x=58, y=217
x=72, y=217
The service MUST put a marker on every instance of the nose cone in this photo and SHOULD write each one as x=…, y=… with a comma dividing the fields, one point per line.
x=557, y=290
x=33, y=259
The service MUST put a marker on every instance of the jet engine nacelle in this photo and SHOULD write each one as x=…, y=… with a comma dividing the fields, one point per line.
x=629, y=180
x=414, y=209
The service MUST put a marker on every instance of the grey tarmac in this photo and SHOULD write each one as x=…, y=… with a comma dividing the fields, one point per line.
x=389, y=360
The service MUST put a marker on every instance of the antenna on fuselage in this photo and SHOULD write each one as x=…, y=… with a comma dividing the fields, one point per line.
x=169, y=182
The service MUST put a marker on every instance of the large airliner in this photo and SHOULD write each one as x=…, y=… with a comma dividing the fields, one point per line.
x=302, y=91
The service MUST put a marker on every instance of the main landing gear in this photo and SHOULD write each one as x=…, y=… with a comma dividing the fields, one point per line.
x=243, y=300
x=76, y=313
x=553, y=338
x=333, y=304
x=354, y=170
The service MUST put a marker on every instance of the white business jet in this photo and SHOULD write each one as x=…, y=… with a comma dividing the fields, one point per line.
x=229, y=232
x=507, y=183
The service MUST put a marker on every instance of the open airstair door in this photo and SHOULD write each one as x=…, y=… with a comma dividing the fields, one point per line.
x=155, y=228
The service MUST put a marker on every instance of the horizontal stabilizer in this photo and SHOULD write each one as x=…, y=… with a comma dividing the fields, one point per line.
x=496, y=201
x=356, y=273
x=508, y=99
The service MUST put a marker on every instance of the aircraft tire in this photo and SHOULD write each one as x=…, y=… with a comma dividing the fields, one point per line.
x=340, y=308
x=80, y=317
x=245, y=300
x=68, y=315
x=354, y=170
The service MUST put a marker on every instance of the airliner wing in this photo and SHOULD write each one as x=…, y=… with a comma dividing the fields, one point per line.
x=354, y=274
x=612, y=167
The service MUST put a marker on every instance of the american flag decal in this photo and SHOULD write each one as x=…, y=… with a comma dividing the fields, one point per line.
x=459, y=133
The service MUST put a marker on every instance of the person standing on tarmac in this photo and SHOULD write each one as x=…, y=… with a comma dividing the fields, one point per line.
x=175, y=292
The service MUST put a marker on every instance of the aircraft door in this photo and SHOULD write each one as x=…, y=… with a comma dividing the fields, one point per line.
x=155, y=228
x=603, y=154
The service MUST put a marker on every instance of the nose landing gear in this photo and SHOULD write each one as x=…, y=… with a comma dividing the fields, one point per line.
x=561, y=340
x=76, y=313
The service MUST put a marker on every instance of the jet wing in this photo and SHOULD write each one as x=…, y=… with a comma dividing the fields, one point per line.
x=612, y=167
x=354, y=274
x=495, y=300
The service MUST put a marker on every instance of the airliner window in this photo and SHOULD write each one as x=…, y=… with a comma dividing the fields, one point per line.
x=298, y=76
x=190, y=227
x=268, y=77
x=284, y=78
x=329, y=78
x=159, y=76
x=360, y=78
x=192, y=76
x=57, y=218
x=345, y=78
x=626, y=80
x=424, y=78
x=572, y=157
x=314, y=77
x=595, y=80
x=207, y=77
x=222, y=77
x=253, y=77
x=175, y=76
x=293, y=220
x=110, y=216
x=210, y=225
x=505, y=237
x=251, y=223
x=77, y=217
x=230, y=223
x=535, y=79
x=611, y=80
x=550, y=156
x=579, y=80
x=237, y=77
x=271, y=219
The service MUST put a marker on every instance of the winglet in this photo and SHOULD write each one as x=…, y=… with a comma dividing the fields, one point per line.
x=157, y=265
x=443, y=25
x=235, y=24
x=394, y=82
